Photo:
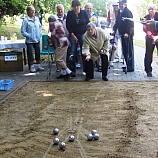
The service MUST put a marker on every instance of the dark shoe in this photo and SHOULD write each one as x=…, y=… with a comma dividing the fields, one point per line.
x=87, y=79
x=149, y=74
x=123, y=67
x=128, y=70
x=69, y=75
x=61, y=76
x=105, y=78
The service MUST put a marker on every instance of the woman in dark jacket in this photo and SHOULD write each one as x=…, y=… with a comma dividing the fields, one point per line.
x=76, y=22
x=151, y=39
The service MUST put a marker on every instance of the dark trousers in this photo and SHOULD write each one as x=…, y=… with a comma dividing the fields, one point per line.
x=30, y=48
x=149, y=54
x=89, y=67
x=128, y=52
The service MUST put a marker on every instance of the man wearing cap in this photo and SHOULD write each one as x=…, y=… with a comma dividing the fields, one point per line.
x=126, y=31
x=111, y=18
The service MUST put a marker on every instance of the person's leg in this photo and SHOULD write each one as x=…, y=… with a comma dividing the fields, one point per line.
x=80, y=40
x=37, y=56
x=30, y=56
x=130, y=66
x=125, y=50
x=72, y=55
x=60, y=60
x=104, y=59
x=89, y=68
x=117, y=55
x=148, y=55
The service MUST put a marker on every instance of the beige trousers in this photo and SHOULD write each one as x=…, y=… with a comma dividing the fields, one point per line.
x=60, y=57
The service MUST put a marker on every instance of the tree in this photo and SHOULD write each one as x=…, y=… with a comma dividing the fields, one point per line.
x=12, y=7
x=141, y=6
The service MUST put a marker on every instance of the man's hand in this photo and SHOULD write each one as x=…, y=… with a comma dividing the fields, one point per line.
x=151, y=25
x=155, y=38
x=102, y=52
x=125, y=35
x=88, y=57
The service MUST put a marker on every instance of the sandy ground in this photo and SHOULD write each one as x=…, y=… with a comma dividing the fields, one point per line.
x=125, y=114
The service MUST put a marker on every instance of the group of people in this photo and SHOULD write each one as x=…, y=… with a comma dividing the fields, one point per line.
x=81, y=27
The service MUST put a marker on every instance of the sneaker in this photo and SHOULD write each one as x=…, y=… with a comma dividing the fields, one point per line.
x=39, y=68
x=32, y=69
x=84, y=73
x=78, y=65
x=111, y=64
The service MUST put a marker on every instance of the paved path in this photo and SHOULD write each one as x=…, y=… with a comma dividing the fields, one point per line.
x=114, y=74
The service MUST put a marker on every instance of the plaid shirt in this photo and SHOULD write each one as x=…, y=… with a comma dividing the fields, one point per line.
x=58, y=35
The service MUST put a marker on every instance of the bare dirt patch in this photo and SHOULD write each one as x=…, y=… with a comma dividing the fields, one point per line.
x=125, y=114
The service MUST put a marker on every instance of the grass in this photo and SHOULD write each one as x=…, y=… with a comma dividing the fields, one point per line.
x=140, y=43
x=6, y=30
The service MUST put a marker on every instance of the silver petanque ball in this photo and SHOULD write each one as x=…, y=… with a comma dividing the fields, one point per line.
x=89, y=136
x=93, y=131
x=55, y=131
x=71, y=138
x=96, y=136
x=56, y=141
x=62, y=145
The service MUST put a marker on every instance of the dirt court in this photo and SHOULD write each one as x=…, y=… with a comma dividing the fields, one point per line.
x=125, y=114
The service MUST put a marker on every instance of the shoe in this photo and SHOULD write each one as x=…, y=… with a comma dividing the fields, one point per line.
x=116, y=60
x=84, y=73
x=69, y=75
x=105, y=78
x=124, y=70
x=149, y=74
x=78, y=65
x=111, y=64
x=32, y=69
x=40, y=68
x=61, y=76
x=87, y=79
x=46, y=47
x=123, y=67
x=57, y=70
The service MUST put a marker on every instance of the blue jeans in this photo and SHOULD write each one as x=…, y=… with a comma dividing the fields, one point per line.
x=73, y=52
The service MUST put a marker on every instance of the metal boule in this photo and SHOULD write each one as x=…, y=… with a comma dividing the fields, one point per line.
x=56, y=141
x=89, y=136
x=71, y=138
x=93, y=131
x=96, y=136
x=55, y=131
x=62, y=145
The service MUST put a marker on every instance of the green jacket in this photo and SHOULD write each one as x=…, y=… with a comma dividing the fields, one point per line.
x=93, y=45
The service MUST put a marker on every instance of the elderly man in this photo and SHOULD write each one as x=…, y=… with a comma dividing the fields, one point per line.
x=60, y=12
x=126, y=31
x=95, y=44
x=93, y=17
